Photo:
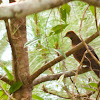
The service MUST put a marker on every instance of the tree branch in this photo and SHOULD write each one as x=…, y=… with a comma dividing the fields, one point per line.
x=7, y=93
x=56, y=76
x=24, y=8
x=6, y=80
x=60, y=58
x=53, y=92
x=92, y=2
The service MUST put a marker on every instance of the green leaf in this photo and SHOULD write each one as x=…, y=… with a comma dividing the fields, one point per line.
x=15, y=86
x=5, y=97
x=35, y=97
x=33, y=41
x=92, y=10
x=10, y=76
x=89, y=89
x=1, y=93
x=64, y=10
x=4, y=86
x=59, y=28
x=59, y=51
x=99, y=27
x=93, y=85
x=61, y=78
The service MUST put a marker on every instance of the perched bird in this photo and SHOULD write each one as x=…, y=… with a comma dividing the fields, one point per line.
x=88, y=60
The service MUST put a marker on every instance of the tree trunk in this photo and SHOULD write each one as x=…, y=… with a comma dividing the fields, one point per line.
x=20, y=59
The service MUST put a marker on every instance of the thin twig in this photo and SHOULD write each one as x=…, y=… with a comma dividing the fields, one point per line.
x=61, y=26
x=50, y=92
x=82, y=18
x=86, y=96
x=64, y=81
x=65, y=69
x=84, y=41
x=75, y=86
x=66, y=89
x=5, y=79
x=77, y=72
x=96, y=22
x=98, y=95
x=7, y=93
x=3, y=76
x=46, y=31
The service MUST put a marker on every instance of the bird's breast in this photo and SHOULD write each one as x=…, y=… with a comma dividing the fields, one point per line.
x=78, y=55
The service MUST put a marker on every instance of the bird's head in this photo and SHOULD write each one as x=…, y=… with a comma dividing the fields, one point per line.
x=70, y=34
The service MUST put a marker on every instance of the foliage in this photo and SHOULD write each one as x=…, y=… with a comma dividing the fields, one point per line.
x=45, y=44
x=15, y=86
x=52, y=40
x=10, y=76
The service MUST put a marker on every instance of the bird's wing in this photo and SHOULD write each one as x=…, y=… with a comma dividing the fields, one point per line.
x=93, y=52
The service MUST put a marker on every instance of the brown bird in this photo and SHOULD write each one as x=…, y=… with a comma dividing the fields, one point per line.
x=88, y=60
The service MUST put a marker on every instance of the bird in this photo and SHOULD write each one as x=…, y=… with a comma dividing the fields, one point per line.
x=88, y=60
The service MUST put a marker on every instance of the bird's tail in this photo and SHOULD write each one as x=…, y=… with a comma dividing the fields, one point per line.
x=96, y=69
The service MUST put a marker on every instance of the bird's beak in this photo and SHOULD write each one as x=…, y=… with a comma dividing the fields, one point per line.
x=64, y=36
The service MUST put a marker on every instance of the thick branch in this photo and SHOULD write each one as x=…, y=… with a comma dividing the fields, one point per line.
x=24, y=8
x=6, y=80
x=92, y=2
x=12, y=45
x=0, y=1
x=10, y=38
x=60, y=58
x=56, y=76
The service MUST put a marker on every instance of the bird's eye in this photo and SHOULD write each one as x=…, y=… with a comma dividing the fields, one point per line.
x=68, y=32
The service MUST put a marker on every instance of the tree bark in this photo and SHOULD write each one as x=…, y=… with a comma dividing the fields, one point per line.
x=20, y=59
x=27, y=7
